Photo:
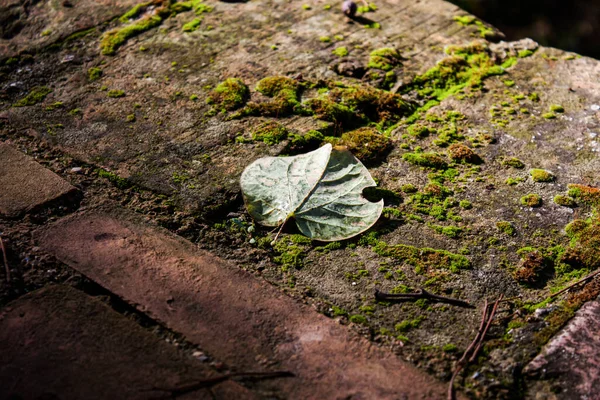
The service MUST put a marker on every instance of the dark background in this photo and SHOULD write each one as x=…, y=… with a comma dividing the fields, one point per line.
x=572, y=25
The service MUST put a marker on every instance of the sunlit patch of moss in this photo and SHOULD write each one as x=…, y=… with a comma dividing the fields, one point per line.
x=284, y=92
x=340, y=51
x=531, y=200
x=556, y=108
x=115, y=38
x=292, y=251
x=586, y=194
x=524, y=53
x=301, y=143
x=565, y=201
x=424, y=258
x=506, y=227
x=35, y=95
x=94, y=74
x=466, y=20
x=420, y=131
x=355, y=105
x=270, y=133
x=230, y=94
x=385, y=59
x=134, y=12
x=462, y=153
x=366, y=144
x=192, y=25
x=450, y=231
x=409, y=188
x=511, y=181
x=513, y=163
x=115, y=93
x=358, y=319
x=465, y=68
x=541, y=175
x=428, y=160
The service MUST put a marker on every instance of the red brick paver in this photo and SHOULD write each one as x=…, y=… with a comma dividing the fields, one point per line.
x=25, y=184
x=573, y=356
x=238, y=319
x=58, y=343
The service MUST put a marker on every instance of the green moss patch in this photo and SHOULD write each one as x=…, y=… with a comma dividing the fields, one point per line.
x=35, y=95
x=366, y=144
x=385, y=59
x=541, y=175
x=94, y=74
x=340, y=51
x=270, y=133
x=462, y=153
x=531, y=200
x=587, y=194
x=115, y=93
x=230, y=94
x=423, y=258
x=513, y=163
x=114, y=39
x=506, y=227
x=428, y=160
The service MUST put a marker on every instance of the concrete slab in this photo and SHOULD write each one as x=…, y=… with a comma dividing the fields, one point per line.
x=25, y=185
x=235, y=317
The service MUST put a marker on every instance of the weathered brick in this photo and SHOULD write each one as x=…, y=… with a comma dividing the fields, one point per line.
x=59, y=343
x=26, y=185
x=238, y=319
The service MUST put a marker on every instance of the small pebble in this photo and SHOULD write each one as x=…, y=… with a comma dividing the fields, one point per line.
x=349, y=8
x=252, y=241
x=595, y=107
x=76, y=170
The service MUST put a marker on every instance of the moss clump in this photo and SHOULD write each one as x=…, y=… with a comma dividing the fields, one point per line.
x=465, y=68
x=230, y=94
x=192, y=25
x=513, y=163
x=385, y=59
x=575, y=227
x=134, y=12
x=462, y=153
x=340, y=51
x=35, y=95
x=450, y=231
x=531, y=200
x=557, y=108
x=449, y=348
x=423, y=258
x=466, y=20
x=565, y=201
x=409, y=188
x=531, y=267
x=366, y=144
x=549, y=115
x=428, y=160
x=292, y=251
x=587, y=194
x=466, y=204
x=115, y=93
x=358, y=319
x=420, y=131
x=284, y=93
x=506, y=227
x=115, y=179
x=94, y=74
x=355, y=105
x=524, y=53
x=407, y=325
x=114, y=39
x=541, y=175
x=301, y=143
x=270, y=133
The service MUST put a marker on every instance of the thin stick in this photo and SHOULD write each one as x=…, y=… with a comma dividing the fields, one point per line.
x=208, y=382
x=461, y=363
x=487, y=327
x=586, y=278
x=422, y=294
x=5, y=261
x=278, y=232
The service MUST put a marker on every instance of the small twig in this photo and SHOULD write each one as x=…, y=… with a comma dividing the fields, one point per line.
x=5, y=260
x=475, y=346
x=422, y=294
x=586, y=278
x=487, y=327
x=208, y=382
x=463, y=360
